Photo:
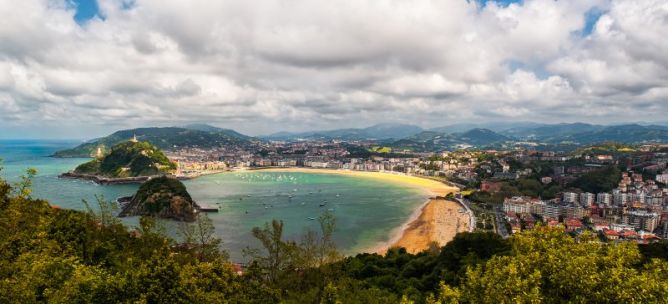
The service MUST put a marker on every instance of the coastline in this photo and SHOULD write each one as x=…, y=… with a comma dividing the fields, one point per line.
x=437, y=220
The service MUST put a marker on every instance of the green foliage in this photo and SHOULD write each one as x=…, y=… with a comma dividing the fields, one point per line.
x=416, y=275
x=129, y=159
x=158, y=192
x=378, y=149
x=547, y=265
x=603, y=180
x=605, y=148
x=201, y=240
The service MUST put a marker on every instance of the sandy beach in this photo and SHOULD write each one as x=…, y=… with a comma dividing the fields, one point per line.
x=437, y=220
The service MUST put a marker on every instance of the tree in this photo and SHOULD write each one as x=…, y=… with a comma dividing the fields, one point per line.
x=200, y=238
x=547, y=265
x=24, y=187
x=280, y=254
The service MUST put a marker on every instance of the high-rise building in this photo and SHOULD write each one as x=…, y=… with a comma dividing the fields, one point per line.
x=604, y=199
x=642, y=219
x=587, y=199
x=570, y=197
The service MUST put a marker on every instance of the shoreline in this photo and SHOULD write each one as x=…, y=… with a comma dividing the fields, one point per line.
x=437, y=220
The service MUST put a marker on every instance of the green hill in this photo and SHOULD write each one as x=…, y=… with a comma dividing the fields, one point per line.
x=163, y=197
x=202, y=136
x=129, y=159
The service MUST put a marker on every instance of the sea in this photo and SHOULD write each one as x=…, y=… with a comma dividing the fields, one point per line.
x=368, y=212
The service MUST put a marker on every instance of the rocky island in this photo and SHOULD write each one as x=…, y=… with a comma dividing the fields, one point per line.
x=127, y=162
x=164, y=197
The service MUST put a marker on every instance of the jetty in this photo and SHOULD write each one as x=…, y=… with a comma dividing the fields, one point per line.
x=103, y=180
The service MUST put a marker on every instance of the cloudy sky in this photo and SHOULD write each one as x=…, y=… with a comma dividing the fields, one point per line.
x=78, y=69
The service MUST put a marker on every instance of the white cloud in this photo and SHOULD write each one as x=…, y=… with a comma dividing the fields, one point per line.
x=313, y=64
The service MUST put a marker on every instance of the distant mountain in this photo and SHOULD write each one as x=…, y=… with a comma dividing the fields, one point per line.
x=212, y=129
x=550, y=132
x=630, y=134
x=578, y=133
x=388, y=130
x=379, y=131
x=434, y=141
x=498, y=127
x=163, y=138
x=481, y=137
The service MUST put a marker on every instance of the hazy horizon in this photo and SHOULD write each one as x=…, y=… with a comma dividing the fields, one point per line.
x=3, y=136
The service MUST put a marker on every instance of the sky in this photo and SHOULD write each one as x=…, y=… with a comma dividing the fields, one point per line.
x=85, y=68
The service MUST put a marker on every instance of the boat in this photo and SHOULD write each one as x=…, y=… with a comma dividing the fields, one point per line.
x=323, y=204
x=311, y=218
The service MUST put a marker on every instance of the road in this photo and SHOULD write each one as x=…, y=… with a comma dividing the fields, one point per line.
x=472, y=220
x=500, y=224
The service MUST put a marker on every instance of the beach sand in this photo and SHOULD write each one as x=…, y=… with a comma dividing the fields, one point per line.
x=438, y=220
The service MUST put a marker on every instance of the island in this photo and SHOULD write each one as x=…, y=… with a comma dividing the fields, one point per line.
x=131, y=161
x=164, y=197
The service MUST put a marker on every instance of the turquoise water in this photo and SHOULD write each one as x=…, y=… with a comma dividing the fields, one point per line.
x=366, y=210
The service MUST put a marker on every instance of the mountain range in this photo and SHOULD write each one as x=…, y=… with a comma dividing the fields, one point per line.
x=197, y=135
x=555, y=134
x=379, y=131
x=398, y=136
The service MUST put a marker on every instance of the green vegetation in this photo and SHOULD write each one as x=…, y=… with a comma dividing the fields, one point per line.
x=50, y=255
x=609, y=147
x=380, y=149
x=548, y=266
x=521, y=187
x=603, y=180
x=129, y=159
x=164, y=197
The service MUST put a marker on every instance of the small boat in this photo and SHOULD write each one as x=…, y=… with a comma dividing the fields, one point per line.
x=311, y=218
x=330, y=209
x=323, y=204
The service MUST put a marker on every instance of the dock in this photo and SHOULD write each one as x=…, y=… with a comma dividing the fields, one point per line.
x=208, y=209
